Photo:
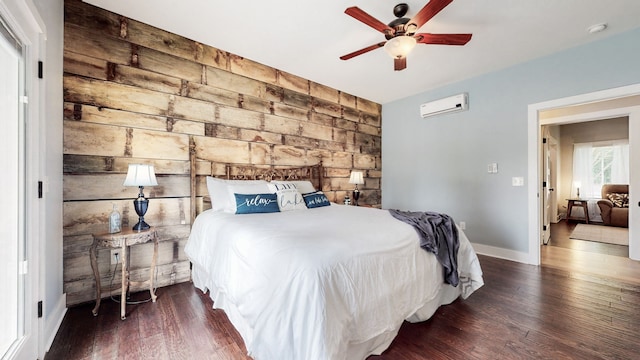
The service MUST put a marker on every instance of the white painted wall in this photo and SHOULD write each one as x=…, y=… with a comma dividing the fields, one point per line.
x=440, y=163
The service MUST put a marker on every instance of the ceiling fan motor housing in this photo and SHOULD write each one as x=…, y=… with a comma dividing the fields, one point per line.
x=398, y=25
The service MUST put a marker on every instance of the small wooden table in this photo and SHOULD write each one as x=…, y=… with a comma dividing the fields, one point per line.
x=577, y=202
x=123, y=240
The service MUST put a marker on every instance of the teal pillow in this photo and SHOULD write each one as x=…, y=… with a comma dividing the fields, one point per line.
x=316, y=199
x=256, y=203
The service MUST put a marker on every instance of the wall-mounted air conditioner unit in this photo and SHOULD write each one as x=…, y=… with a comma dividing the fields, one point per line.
x=446, y=105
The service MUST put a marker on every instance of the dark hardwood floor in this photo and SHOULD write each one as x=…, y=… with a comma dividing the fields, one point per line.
x=522, y=312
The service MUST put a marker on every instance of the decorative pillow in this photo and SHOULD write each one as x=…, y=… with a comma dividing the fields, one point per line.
x=220, y=198
x=244, y=188
x=303, y=186
x=316, y=199
x=289, y=198
x=256, y=203
x=619, y=200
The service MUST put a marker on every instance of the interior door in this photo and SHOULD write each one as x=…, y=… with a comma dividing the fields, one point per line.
x=546, y=192
x=553, y=173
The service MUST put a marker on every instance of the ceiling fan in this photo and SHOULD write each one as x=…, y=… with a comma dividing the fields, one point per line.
x=401, y=33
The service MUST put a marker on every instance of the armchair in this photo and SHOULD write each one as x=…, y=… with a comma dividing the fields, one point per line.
x=614, y=215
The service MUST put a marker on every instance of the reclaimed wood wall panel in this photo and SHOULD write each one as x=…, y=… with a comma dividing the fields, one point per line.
x=137, y=94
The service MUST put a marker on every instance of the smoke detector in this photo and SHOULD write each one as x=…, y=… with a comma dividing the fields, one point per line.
x=597, y=28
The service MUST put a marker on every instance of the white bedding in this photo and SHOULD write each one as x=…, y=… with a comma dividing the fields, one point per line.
x=334, y=282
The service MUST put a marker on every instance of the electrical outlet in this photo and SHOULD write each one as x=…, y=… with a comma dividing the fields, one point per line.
x=115, y=256
x=463, y=225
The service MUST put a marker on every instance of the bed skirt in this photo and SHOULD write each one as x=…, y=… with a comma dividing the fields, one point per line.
x=361, y=350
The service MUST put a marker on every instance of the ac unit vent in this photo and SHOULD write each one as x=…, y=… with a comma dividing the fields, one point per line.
x=446, y=105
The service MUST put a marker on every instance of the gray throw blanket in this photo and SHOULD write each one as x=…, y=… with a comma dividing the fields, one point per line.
x=439, y=235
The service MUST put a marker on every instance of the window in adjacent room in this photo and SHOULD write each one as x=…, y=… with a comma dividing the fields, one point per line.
x=599, y=163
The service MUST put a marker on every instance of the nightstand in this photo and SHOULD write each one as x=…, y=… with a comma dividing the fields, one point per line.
x=123, y=240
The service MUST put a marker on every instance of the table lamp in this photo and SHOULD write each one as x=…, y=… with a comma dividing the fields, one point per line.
x=356, y=178
x=140, y=175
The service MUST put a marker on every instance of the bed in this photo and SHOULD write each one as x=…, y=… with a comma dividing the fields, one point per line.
x=325, y=282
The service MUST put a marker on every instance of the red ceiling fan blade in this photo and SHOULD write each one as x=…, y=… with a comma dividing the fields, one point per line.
x=427, y=12
x=362, y=16
x=399, y=64
x=362, y=51
x=443, y=39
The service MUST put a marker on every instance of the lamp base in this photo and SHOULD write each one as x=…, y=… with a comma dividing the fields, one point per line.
x=141, y=205
x=356, y=196
x=141, y=225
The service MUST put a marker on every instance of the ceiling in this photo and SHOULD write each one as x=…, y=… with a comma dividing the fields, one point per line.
x=306, y=38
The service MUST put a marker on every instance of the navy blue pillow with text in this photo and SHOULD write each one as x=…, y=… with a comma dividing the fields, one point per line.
x=316, y=199
x=256, y=203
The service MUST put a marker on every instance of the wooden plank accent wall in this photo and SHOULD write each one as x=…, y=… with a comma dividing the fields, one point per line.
x=138, y=94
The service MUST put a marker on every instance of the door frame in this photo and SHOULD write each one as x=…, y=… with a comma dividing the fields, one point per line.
x=534, y=156
x=23, y=19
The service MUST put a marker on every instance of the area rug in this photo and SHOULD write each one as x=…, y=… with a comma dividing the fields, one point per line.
x=601, y=233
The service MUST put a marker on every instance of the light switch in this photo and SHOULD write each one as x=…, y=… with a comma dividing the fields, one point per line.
x=517, y=181
x=492, y=168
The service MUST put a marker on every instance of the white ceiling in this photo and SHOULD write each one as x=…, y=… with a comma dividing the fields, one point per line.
x=306, y=38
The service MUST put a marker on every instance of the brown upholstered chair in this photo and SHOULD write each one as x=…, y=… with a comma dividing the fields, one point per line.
x=613, y=215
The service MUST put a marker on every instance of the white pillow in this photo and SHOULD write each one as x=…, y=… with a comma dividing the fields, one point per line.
x=251, y=188
x=289, y=198
x=304, y=186
x=220, y=195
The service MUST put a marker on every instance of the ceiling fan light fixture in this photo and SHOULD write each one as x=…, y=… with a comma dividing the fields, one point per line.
x=400, y=46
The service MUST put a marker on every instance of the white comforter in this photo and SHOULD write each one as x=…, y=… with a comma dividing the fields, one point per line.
x=334, y=282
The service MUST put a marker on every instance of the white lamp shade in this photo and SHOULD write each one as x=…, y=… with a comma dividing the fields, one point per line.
x=399, y=46
x=140, y=175
x=356, y=178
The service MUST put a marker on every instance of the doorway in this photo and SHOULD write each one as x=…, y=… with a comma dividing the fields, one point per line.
x=592, y=153
x=623, y=101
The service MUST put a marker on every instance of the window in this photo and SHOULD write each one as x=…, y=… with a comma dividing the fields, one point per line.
x=602, y=162
x=599, y=163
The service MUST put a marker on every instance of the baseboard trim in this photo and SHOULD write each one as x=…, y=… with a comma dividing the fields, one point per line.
x=501, y=253
x=52, y=324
